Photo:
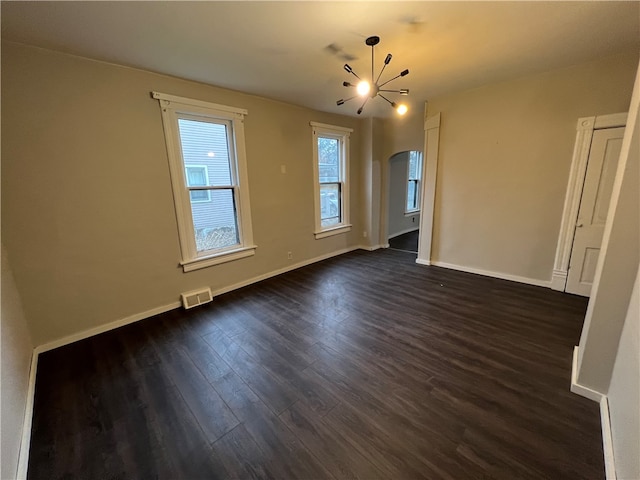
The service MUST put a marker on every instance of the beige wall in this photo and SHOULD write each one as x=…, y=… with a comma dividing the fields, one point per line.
x=505, y=152
x=624, y=393
x=617, y=265
x=17, y=350
x=608, y=352
x=88, y=217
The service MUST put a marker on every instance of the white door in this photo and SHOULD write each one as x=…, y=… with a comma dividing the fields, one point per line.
x=594, y=205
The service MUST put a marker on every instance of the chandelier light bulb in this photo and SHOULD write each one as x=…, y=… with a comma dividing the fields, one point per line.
x=363, y=88
x=402, y=109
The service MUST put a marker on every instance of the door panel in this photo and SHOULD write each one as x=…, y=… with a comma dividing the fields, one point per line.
x=594, y=205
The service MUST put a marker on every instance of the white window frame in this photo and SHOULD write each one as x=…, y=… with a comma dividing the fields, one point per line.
x=342, y=135
x=206, y=181
x=172, y=108
x=418, y=181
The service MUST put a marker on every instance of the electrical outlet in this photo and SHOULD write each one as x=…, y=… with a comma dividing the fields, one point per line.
x=290, y=255
x=364, y=234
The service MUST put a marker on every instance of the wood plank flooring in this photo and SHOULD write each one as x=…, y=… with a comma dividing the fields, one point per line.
x=362, y=366
x=407, y=242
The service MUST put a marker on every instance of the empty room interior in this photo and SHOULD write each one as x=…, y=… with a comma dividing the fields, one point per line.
x=309, y=240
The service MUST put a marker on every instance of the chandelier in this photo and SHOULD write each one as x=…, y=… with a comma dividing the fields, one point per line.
x=373, y=89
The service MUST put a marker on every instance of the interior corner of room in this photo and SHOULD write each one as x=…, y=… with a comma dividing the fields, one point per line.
x=90, y=238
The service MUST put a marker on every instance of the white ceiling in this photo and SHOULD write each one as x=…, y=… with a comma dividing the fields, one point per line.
x=281, y=50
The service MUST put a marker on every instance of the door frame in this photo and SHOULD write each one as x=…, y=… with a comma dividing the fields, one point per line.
x=428, y=194
x=584, y=134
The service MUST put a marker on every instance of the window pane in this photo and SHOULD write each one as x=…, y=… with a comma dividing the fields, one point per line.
x=328, y=159
x=196, y=176
x=330, y=204
x=214, y=222
x=205, y=144
x=411, y=195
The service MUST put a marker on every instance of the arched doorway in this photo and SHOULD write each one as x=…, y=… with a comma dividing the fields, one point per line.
x=404, y=200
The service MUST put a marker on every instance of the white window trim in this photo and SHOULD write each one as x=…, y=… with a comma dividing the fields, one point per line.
x=408, y=213
x=342, y=134
x=172, y=106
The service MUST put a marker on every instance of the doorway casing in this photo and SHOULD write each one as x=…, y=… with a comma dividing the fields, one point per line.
x=428, y=194
x=584, y=135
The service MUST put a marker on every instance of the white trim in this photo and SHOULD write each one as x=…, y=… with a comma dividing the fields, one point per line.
x=558, y=280
x=612, y=120
x=326, y=126
x=487, y=273
x=423, y=262
x=172, y=109
x=25, y=439
x=168, y=99
x=370, y=248
x=105, y=327
x=605, y=421
x=607, y=440
x=342, y=135
x=165, y=308
x=329, y=232
x=217, y=259
x=576, y=387
x=584, y=134
x=406, y=230
x=282, y=270
x=23, y=458
x=432, y=122
x=428, y=194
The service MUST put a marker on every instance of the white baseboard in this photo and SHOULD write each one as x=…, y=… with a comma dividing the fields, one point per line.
x=165, y=308
x=605, y=422
x=487, y=273
x=370, y=248
x=286, y=269
x=576, y=387
x=25, y=441
x=607, y=440
x=558, y=280
x=105, y=328
x=407, y=230
x=23, y=459
x=423, y=262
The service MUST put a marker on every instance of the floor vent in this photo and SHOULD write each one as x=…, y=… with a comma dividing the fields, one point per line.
x=195, y=298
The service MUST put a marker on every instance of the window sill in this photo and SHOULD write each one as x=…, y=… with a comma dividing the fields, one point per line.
x=218, y=258
x=332, y=231
x=412, y=213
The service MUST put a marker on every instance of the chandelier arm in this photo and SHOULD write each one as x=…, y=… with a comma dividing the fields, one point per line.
x=391, y=80
x=389, y=101
x=380, y=74
x=365, y=102
x=343, y=101
x=390, y=91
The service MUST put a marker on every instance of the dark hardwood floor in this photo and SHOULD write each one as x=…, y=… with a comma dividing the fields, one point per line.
x=407, y=242
x=362, y=366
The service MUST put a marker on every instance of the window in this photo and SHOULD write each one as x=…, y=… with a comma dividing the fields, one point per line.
x=414, y=175
x=198, y=176
x=331, y=170
x=205, y=145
